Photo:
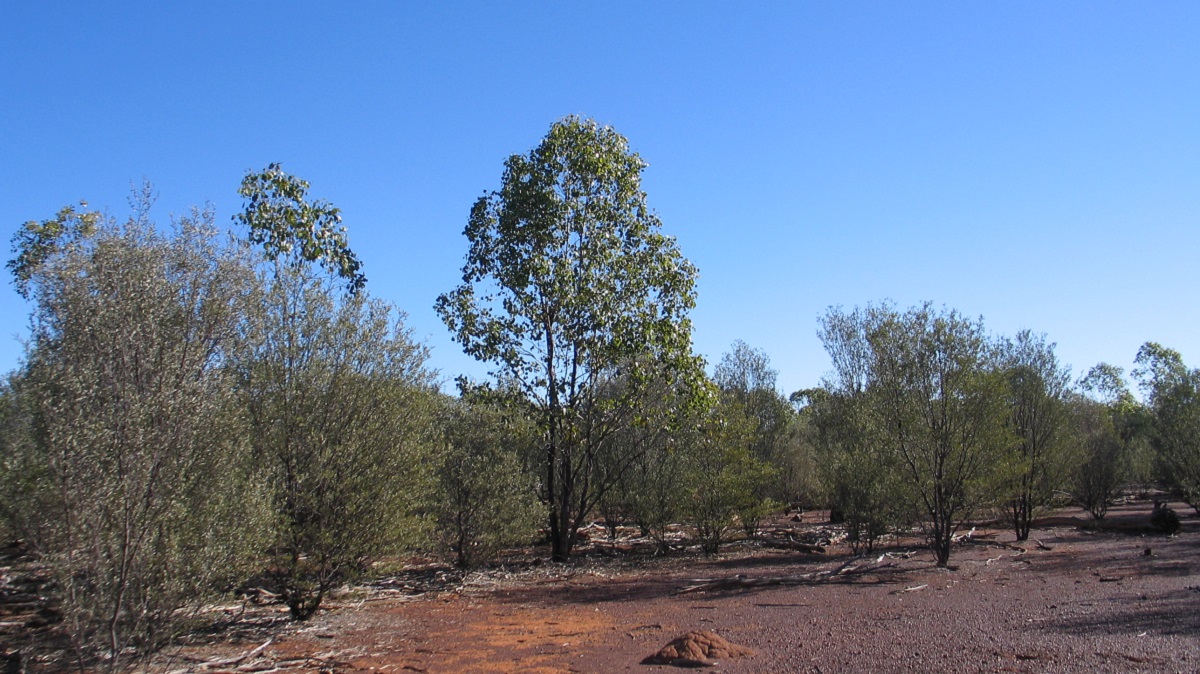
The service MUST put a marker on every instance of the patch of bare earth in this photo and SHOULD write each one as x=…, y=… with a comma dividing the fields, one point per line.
x=1072, y=599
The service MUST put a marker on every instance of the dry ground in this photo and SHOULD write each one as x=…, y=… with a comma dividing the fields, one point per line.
x=1085, y=601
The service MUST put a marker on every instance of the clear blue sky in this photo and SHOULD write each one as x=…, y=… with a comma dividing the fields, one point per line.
x=1034, y=163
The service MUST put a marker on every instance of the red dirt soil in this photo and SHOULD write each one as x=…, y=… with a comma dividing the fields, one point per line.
x=1084, y=600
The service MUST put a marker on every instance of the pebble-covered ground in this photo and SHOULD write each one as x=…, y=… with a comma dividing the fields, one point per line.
x=1071, y=599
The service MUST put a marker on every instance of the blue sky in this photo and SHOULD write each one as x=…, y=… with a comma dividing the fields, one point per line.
x=1034, y=163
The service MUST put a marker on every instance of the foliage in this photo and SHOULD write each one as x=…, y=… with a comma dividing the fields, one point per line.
x=933, y=398
x=649, y=457
x=653, y=492
x=1102, y=472
x=339, y=404
x=485, y=500
x=722, y=476
x=26, y=491
x=1173, y=396
x=123, y=456
x=1042, y=456
x=37, y=242
x=798, y=463
x=1131, y=421
x=744, y=369
x=863, y=479
x=339, y=400
x=279, y=218
x=570, y=285
x=746, y=379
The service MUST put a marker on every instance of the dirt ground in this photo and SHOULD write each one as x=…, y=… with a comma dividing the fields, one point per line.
x=1118, y=599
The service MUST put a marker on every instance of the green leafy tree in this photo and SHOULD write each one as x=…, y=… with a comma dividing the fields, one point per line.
x=653, y=492
x=338, y=397
x=570, y=284
x=1042, y=456
x=1114, y=430
x=639, y=494
x=935, y=400
x=37, y=242
x=125, y=465
x=25, y=490
x=1103, y=469
x=1130, y=419
x=650, y=456
x=800, y=458
x=1173, y=396
x=862, y=477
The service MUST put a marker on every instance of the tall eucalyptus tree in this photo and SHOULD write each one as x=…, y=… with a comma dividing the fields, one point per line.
x=570, y=283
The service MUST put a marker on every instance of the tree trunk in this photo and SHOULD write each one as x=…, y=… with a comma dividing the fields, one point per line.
x=941, y=539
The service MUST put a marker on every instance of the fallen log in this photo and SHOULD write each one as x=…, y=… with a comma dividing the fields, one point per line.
x=793, y=545
x=741, y=581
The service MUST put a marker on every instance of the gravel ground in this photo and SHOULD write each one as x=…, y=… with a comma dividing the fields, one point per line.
x=1082, y=601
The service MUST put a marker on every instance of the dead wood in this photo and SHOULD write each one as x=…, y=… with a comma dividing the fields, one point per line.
x=742, y=581
x=237, y=659
x=793, y=545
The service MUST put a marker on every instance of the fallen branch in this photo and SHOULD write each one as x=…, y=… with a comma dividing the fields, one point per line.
x=226, y=662
x=915, y=588
x=963, y=537
x=1005, y=546
x=793, y=545
x=741, y=581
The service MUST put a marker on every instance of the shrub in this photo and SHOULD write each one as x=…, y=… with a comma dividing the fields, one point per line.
x=339, y=403
x=123, y=464
x=485, y=500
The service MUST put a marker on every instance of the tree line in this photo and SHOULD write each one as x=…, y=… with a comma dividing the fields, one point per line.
x=196, y=410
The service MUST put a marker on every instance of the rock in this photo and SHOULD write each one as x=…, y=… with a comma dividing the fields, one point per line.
x=696, y=649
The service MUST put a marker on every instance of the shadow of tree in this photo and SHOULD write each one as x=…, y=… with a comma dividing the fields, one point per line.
x=1175, y=614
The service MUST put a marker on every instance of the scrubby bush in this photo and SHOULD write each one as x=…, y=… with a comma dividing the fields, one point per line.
x=484, y=499
x=862, y=482
x=652, y=493
x=1042, y=455
x=340, y=410
x=722, y=476
x=1173, y=396
x=124, y=462
x=1101, y=475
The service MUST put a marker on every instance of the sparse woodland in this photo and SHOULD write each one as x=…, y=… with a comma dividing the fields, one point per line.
x=199, y=411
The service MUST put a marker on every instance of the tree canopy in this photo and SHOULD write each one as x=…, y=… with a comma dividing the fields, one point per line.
x=568, y=281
